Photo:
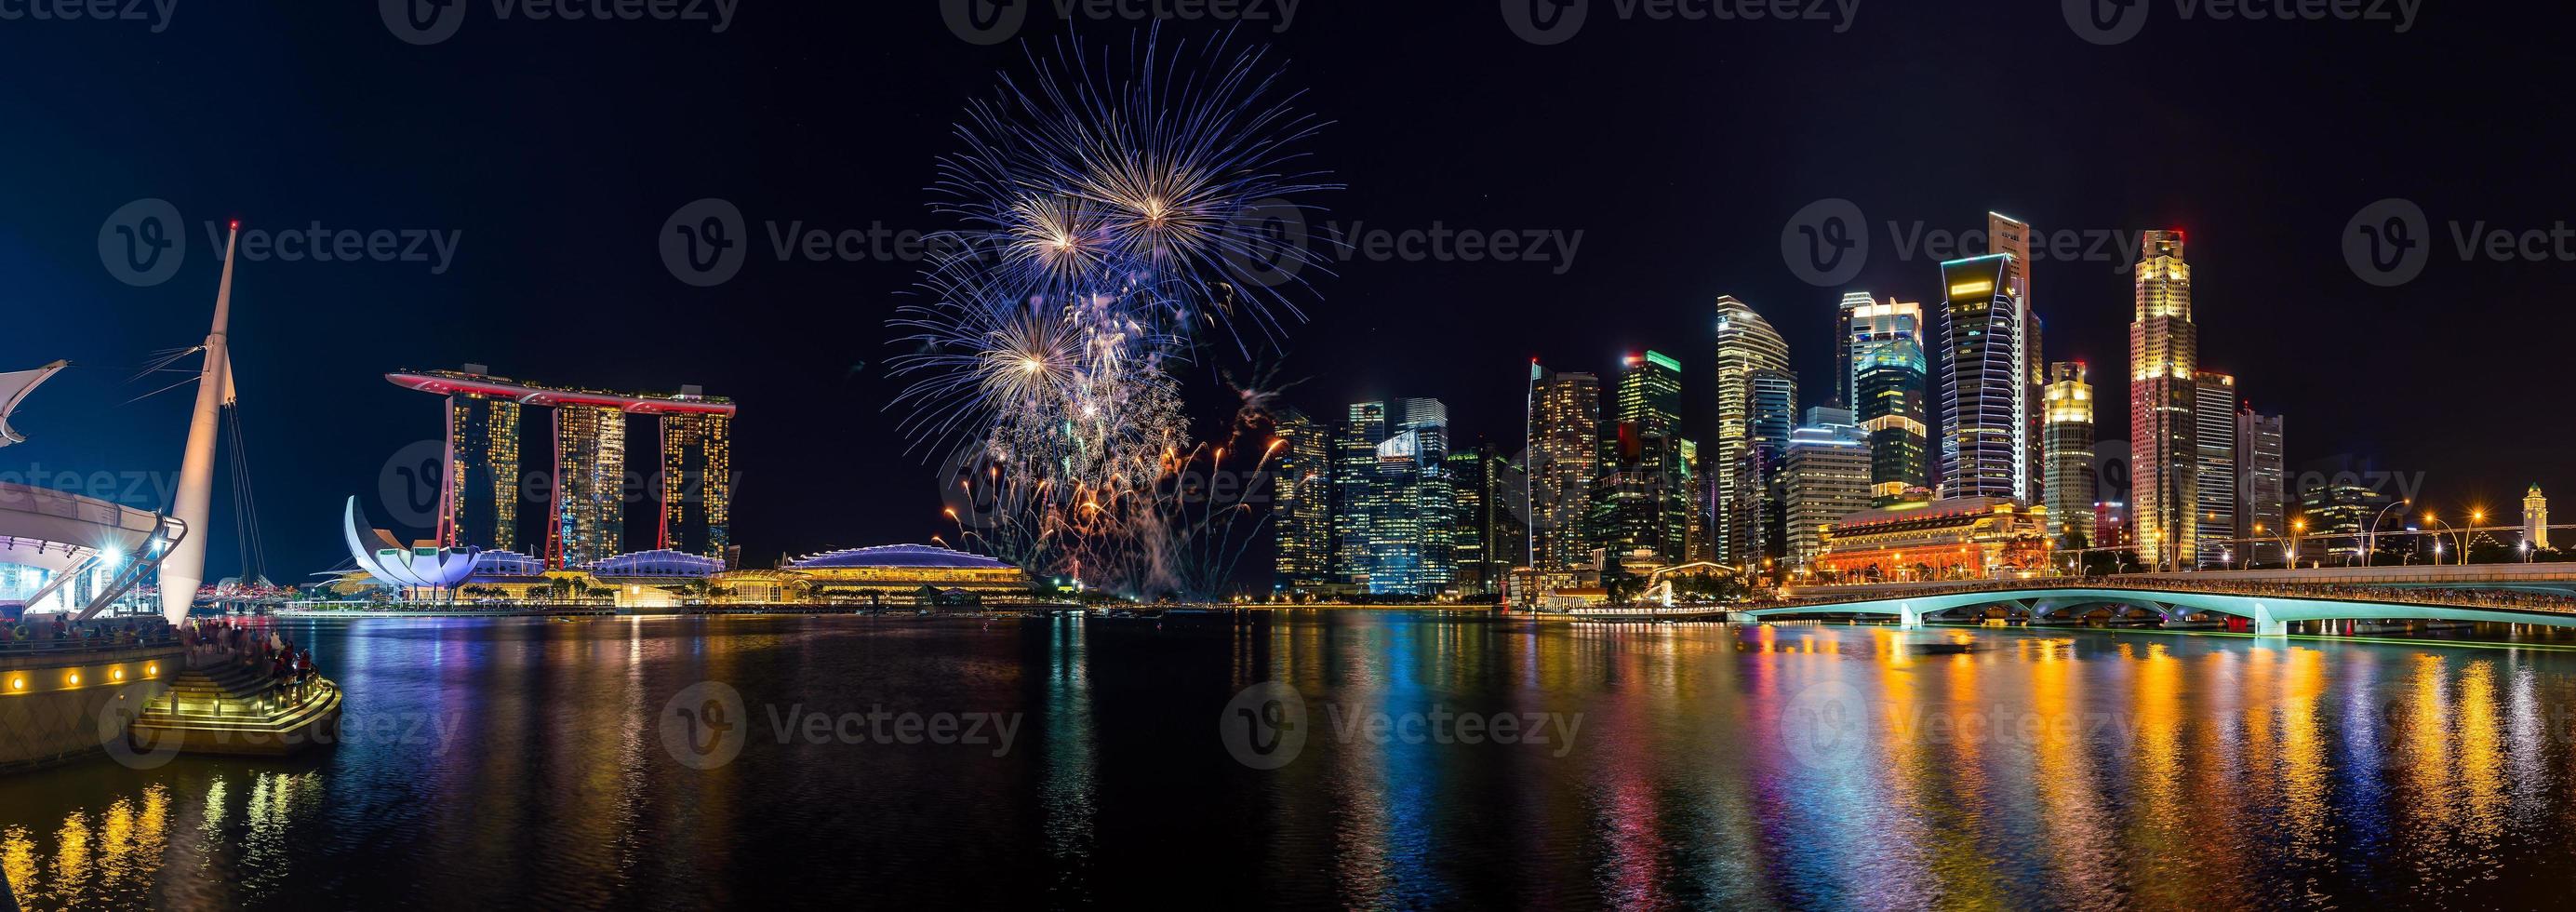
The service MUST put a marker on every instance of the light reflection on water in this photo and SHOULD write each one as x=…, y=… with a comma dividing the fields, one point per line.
x=514, y=764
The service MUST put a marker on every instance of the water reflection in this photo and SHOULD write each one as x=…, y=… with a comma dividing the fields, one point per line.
x=519, y=764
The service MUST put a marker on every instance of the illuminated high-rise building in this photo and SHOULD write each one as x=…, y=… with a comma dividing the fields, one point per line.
x=1564, y=417
x=697, y=483
x=1758, y=518
x=2067, y=450
x=2214, y=476
x=1989, y=429
x=589, y=523
x=1824, y=477
x=1486, y=545
x=1411, y=532
x=2164, y=359
x=479, y=504
x=2010, y=236
x=1642, y=500
x=1355, y=489
x=586, y=520
x=1301, y=505
x=1885, y=372
x=1746, y=344
x=2264, y=507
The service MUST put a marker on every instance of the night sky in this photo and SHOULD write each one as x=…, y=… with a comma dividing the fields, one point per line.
x=555, y=150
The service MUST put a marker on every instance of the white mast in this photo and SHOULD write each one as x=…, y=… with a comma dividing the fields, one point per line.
x=184, y=569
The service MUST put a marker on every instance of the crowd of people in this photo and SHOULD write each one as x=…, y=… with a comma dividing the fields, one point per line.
x=261, y=648
x=59, y=631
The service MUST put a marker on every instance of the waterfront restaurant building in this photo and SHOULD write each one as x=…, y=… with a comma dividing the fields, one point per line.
x=1959, y=538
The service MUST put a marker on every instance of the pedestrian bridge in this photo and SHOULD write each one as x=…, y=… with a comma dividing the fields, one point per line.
x=2269, y=606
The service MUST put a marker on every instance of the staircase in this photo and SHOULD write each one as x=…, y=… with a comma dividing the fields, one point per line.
x=227, y=708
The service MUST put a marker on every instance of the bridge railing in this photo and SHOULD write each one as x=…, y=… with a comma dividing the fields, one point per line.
x=2511, y=600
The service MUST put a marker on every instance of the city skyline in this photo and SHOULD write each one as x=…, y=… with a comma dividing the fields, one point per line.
x=1663, y=236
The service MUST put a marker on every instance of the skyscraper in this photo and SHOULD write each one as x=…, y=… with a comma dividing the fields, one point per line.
x=1824, y=477
x=1884, y=372
x=1758, y=519
x=2011, y=237
x=2164, y=356
x=1301, y=505
x=697, y=483
x=1643, y=498
x=1565, y=450
x=2067, y=448
x=1746, y=343
x=1355, y=489
x=1986, y=397
x=2214, y=475
x=479, y=507
x=589, y=522
x=1411, y=534
x=2265, y=510
x=2535, y=519
x=586, y=520
x=1475, y=476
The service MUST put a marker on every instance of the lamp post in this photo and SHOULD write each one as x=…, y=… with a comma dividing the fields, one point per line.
x=2370, y=536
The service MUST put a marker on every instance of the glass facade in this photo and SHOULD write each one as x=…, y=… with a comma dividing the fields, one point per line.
x=1987, y=390
x=2263, y=513
x=2067, y=450
x=1885, y=372
x=1757, y=518
x=2214, y=472
x=1301, y=505
x=2164, y=355
x=480, y=506
x=697, y=484
x=1565, y=450
x=1826, y=476
x=1746, y=344
x=590, y=480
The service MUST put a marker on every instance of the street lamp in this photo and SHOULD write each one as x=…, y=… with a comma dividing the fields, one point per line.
x=2370, y=537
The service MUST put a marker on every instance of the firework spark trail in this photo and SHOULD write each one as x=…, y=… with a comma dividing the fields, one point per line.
x=1110, y=225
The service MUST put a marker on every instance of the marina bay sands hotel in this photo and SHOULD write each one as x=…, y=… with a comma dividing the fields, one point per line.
x=482, y=487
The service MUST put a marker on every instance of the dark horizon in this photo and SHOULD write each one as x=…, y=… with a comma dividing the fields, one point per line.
x=554, y=151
